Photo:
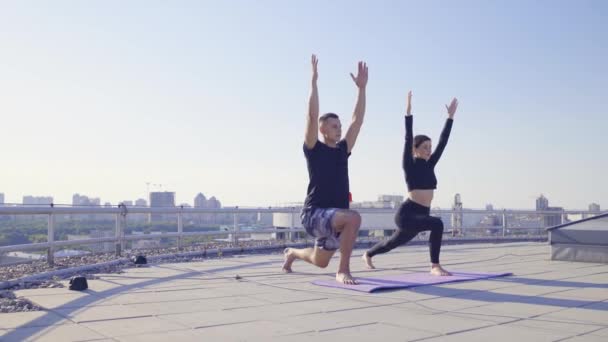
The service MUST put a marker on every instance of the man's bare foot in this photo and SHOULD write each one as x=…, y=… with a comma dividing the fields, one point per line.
x=289, y=258
x=437, y=270
x=368, y=261
x=345, y=278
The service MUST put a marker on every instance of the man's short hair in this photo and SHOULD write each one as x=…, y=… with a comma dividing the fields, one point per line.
x=327, y=116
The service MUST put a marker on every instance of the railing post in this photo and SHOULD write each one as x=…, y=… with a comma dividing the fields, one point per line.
x=118, y=235
x=456, y=220
x=235, y=229
x=51, y=239
x=292, y=224
x=121, y=224
x=180, y=229
x=504, y=222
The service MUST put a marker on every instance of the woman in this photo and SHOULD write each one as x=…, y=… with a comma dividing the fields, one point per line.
x=413, y=216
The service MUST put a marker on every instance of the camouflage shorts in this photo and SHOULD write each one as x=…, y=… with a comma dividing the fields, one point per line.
x=317, y=222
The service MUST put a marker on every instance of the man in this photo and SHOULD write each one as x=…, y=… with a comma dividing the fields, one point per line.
x=325, y=215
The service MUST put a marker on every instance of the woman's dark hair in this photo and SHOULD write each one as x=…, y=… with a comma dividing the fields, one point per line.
x=419, y=139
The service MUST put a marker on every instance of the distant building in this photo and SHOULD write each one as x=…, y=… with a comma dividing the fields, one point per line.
x=548, y=219
x=85, y=201
x=214, y=203
x=81, y=200
x=394, y=200
x=200, y=201
x=164, y=199
x=37, y=200
x=594, y=209
x=383, y=202
x=542, y=203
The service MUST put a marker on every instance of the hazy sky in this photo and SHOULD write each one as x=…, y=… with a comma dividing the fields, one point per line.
x=100, y=97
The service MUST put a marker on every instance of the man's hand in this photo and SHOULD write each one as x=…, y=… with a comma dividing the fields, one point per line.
x=361, y=79
x=315, y=74
x=409, y=103
x=312, y=125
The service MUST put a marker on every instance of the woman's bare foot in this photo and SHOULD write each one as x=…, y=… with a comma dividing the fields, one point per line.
x=368, y=261
x=289, y=258
x=345, y=278
x=437, y=270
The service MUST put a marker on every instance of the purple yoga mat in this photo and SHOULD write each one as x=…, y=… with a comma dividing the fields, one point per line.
x=402, y=281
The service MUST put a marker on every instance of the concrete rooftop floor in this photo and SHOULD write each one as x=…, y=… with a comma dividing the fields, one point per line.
x=544, y=301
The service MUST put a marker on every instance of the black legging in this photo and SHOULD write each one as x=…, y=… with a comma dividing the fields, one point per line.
x=412, y=218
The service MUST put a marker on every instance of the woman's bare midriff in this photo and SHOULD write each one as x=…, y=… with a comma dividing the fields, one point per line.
x=422, y=197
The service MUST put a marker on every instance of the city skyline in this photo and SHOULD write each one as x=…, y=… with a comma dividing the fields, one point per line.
x=202, y=95
x=541, y=202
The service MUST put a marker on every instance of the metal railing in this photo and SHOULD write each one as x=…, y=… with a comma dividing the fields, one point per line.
x=289, y=225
